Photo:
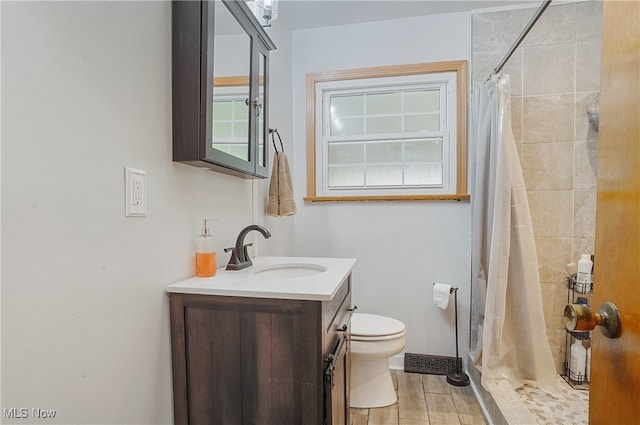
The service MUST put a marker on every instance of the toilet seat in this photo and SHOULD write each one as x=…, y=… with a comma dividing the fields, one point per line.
x=371, y=327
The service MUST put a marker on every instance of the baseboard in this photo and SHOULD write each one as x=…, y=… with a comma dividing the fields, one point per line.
x=396, y=362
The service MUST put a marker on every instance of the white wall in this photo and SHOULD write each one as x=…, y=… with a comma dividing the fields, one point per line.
x=402, y=247
x=86, y=91
x=280, y=112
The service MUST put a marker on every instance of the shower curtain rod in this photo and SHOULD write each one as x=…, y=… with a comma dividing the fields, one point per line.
x=523, y=34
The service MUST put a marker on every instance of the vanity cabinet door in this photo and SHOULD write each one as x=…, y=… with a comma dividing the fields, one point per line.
x=224, y=129
x=246, y=361
x=336, y=385
x=337, y=319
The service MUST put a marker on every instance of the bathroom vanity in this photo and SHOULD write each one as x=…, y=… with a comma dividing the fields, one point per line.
x=265, y=345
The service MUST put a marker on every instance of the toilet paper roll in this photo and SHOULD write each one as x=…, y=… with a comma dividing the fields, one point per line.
x=441, y=293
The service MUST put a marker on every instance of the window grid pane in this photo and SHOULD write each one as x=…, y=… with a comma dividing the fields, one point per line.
x=388, y=112
x=387, y=163
x=231, y=126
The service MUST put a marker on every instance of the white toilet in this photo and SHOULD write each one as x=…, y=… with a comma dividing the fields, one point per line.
x=373, y=340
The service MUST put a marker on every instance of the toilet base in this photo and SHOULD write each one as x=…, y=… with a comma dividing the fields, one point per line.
x=371, y=383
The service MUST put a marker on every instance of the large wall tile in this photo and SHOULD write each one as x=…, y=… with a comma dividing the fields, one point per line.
x=549, y=69
x=584, y=129
x=551, y=213
x=586, y=165
x=516, y=119
x=583, y=246
x=547, y=118
x=496, y=31
x=553, y=256
x=485, y=62
x=554, y=296
x=588, y=66
x=557, y=25
x=482, y=66
x=589, y=20
x=556, y=336
x=584, y=215
x=548, y=166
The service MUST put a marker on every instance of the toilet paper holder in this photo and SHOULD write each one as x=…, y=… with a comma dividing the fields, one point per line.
x=451, y=290
x=457, y=377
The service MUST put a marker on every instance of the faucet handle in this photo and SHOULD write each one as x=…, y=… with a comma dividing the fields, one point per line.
x=246, y=253
x=234, y=256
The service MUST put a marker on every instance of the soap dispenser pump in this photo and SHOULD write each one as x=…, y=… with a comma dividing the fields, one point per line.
x=205, y=255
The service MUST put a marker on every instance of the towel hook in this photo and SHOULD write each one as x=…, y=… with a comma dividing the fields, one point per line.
x=275, y=130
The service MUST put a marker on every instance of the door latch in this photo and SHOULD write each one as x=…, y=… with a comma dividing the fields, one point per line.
x=580, y=317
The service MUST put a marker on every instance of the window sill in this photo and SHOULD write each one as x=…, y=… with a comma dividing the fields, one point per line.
x=387, y=198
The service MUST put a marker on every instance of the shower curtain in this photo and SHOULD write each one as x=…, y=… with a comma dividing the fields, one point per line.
x=508, y=334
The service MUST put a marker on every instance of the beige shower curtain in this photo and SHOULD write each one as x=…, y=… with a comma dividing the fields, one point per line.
x=509, y=338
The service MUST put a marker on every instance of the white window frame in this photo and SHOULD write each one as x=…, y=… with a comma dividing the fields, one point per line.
x=445, y=82
x=451, y=75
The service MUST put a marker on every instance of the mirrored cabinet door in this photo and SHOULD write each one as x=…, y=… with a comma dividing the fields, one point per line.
x=230, y=108
x=220, y=57
x=262, y=114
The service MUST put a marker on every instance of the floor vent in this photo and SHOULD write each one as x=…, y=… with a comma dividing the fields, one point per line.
x=428, y=364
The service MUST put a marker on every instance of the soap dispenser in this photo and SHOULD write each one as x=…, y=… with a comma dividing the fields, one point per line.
x=205, y=255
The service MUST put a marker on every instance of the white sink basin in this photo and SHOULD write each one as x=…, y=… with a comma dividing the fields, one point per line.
x=287, y=271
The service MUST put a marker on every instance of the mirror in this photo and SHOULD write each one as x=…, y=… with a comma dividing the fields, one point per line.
x=231, y=100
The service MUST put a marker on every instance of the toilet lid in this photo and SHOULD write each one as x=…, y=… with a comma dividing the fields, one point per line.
x=363, y=324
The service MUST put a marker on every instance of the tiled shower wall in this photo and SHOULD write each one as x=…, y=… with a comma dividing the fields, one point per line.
x=555, y=77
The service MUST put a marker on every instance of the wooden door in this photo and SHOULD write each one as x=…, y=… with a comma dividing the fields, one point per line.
x=615, y=363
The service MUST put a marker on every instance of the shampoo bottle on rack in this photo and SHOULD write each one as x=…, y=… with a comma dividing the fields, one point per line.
x=578, y=361
x=205, y=255
x=583, y=279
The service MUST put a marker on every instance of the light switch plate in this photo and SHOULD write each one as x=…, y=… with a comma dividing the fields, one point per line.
x=135, y=192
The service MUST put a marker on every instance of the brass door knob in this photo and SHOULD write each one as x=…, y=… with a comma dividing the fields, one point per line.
x=580, y=317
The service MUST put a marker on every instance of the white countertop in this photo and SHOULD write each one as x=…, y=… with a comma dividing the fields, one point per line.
x=246, y=283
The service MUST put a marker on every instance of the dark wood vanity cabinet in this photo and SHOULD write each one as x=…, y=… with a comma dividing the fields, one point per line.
x=239, y=360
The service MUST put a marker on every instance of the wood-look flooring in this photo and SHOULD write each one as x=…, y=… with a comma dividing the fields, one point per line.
x=424, y=400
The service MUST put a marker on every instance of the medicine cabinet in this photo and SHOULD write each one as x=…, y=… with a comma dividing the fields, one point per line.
x=220, y=74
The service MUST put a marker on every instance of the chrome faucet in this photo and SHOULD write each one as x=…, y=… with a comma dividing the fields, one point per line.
x=239, y=255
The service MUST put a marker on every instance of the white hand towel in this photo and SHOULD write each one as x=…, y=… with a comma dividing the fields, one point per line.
x=441, y=293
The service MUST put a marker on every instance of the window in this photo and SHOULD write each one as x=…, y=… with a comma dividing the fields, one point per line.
x=395, y=132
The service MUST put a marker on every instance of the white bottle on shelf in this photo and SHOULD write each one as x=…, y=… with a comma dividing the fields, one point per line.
x=578, y=361
x=583, y=279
